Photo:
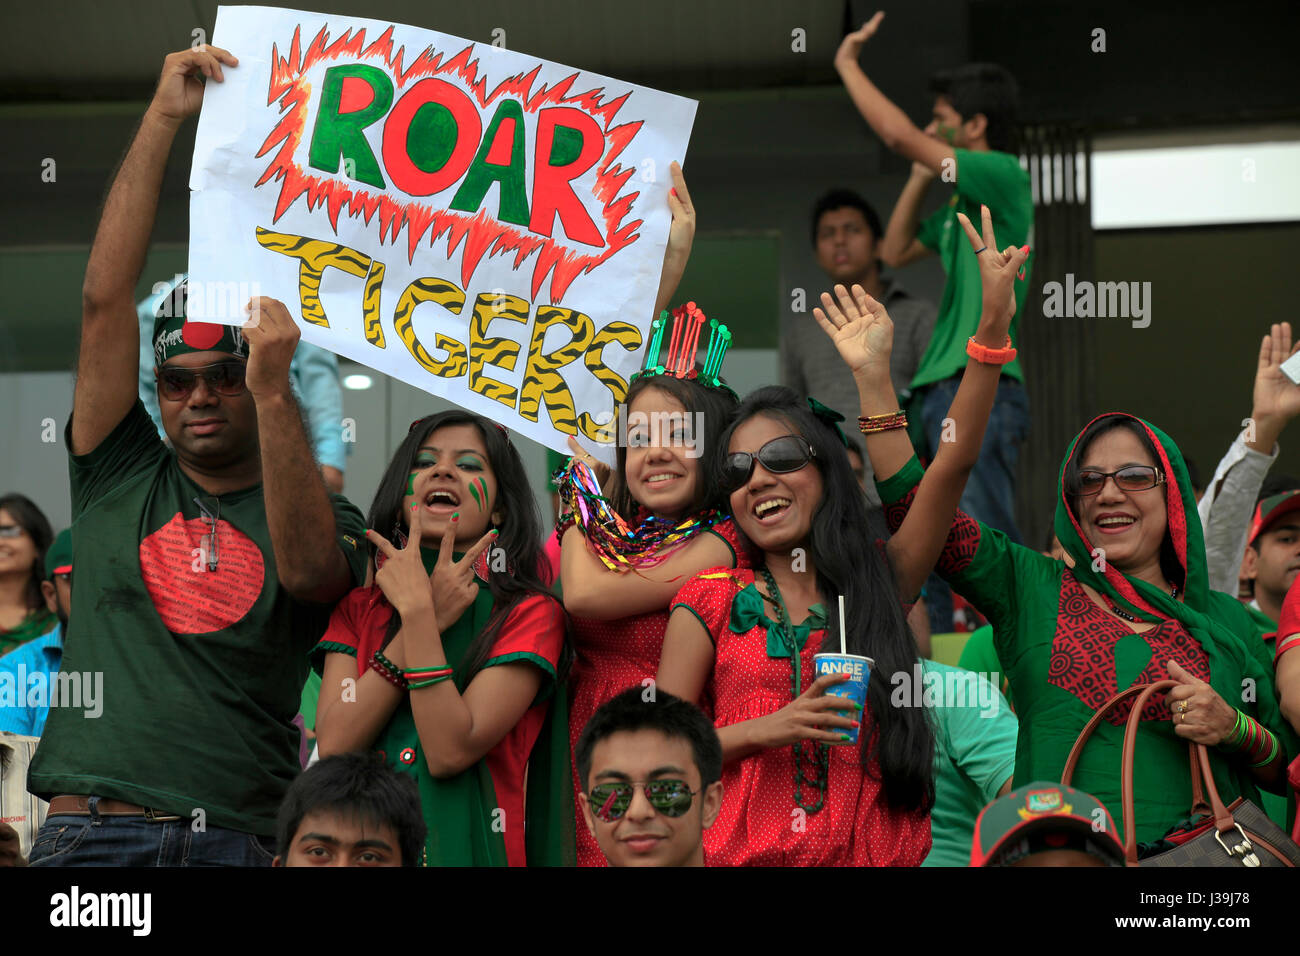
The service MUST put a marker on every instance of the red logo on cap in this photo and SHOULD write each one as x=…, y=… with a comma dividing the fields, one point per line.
x=201, y=335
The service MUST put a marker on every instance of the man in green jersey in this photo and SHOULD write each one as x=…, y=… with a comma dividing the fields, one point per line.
x=205, y=572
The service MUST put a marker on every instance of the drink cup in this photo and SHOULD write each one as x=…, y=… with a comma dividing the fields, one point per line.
x=854, y=689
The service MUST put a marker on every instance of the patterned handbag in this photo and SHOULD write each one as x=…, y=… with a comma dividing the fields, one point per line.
x=1236, y=835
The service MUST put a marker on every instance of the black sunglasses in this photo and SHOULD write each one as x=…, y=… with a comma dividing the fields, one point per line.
x=609, y=801
x=224, y=378
x=1130, y=478
x=780, y=456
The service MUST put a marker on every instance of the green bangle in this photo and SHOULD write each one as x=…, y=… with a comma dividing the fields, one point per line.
x=1235, y=739
x=1272, y=752
x=417, y=684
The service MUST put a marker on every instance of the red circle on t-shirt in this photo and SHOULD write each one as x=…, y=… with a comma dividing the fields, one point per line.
x=190, y=598
x=201, y=335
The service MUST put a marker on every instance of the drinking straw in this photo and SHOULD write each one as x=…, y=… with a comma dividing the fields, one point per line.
x=843, y=646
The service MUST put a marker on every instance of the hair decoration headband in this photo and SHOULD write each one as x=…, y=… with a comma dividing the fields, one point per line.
x=683, y=327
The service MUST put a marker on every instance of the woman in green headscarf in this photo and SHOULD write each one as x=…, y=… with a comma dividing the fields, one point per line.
x=1129, y=604
x=448, y=665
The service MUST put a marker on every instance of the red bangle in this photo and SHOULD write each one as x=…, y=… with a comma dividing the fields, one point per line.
x=988, y=356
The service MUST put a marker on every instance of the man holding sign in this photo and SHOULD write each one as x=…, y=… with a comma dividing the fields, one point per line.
x=205, y=572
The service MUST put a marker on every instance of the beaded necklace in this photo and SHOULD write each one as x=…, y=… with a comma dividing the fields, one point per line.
x=1173, y=593
x=811, y=760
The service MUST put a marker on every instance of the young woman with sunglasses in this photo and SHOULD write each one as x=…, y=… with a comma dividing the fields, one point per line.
x=448, y=664
x=796, y=795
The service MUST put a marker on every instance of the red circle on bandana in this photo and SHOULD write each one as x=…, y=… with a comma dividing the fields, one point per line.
x=201, y=335
x=189, y=598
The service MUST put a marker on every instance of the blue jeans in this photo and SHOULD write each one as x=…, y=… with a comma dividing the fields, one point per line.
x=990, y=491
x=94, y=840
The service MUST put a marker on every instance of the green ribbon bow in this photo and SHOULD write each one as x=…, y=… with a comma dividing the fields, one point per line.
x=747, y=611
x=830, y=416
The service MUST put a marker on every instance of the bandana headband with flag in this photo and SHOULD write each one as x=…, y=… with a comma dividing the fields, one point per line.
x=173, y=335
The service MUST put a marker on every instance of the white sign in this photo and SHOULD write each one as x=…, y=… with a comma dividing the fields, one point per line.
x=482, y=224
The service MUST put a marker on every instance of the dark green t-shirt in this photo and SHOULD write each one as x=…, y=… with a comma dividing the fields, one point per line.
x=996, y=180
x=202, y=670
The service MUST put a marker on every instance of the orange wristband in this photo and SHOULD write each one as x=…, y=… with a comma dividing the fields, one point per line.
x=988, y=356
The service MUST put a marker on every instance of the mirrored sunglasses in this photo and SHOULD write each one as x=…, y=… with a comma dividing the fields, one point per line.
x=609, y=801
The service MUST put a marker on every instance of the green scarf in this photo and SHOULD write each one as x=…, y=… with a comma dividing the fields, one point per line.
x=37, y=622
x=1221, y=624
x=464, y=828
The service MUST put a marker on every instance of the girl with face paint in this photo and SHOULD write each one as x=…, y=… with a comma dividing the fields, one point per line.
x=449, y=663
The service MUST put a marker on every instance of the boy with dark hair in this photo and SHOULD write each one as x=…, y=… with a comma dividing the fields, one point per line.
x=651, y=764
x=967, y=144
x=350, y=810
x=846, y=235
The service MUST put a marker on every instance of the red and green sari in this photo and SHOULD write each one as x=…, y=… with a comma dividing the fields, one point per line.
x=482, y=816
x=1064, y=656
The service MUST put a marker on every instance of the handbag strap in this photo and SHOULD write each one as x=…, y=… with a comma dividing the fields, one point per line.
x=1089, y=727
x=1223, y=819
x=1197, y=755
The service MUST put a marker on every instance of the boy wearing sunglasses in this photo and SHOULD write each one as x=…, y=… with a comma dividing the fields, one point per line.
x=205, y=572
x=651, y=764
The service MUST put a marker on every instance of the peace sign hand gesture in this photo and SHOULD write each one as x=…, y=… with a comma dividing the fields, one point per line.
x=402, y=577
x=861, y=330
x=452, y=582
x=998, y=271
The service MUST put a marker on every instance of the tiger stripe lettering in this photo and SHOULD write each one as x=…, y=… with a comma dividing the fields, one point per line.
x=503, y=353
x=315, y=256
x=542, y=381
x=450, y=297
x=370, y=318
x=626, y=335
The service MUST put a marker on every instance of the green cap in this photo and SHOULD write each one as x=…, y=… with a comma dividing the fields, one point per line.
x=58, y=560
x=1063, y=816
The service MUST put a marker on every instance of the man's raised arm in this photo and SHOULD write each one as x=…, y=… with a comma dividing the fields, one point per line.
x=107, y=366
x=899, y=134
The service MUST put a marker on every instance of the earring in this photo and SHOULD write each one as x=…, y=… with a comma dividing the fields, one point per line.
x=399, y=534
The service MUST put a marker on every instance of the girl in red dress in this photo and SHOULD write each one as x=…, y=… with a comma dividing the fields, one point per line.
x=745, y=639
x=618, y=618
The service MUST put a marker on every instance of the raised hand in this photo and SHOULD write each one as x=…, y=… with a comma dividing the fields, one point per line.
x=681, y=237
x=402, y=577
x=452, y=581
x=851, y=46
x=272, y=337
x=1276, y=396
x=998, y=271
x=180, y=91
x=860, y=328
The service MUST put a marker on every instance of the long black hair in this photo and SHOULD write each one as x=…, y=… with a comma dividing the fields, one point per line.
x=520, y=528
x=1170, y=566
x=842, y=547
x=708, y=406
x=32, y=520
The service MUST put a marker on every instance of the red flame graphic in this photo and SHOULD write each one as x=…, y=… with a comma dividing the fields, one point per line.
x=481, y=233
